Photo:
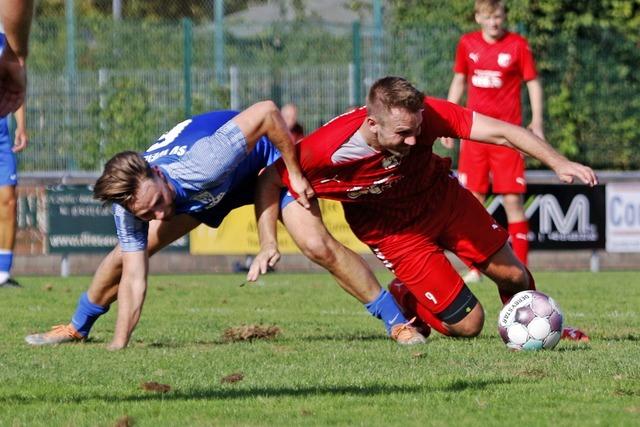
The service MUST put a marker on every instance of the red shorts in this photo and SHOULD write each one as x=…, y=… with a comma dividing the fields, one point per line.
x=505, y=165
x=416, y=255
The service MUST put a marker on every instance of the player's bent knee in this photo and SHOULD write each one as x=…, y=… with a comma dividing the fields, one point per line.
x=318, y=250
x=464, y=316
x=471, y=325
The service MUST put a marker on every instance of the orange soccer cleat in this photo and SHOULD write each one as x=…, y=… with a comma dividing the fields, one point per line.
x=406, y=334
x=57, y=335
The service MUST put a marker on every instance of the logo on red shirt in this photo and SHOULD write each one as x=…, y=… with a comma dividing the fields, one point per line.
x=504, y=59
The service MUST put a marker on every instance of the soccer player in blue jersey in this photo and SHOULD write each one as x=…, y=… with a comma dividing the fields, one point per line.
x=8, y=182
x=197, y=173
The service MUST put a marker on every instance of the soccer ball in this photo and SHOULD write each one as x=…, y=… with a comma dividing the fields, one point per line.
x=531, y=320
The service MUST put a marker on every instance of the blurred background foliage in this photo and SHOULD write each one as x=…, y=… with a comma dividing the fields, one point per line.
x=102, y=81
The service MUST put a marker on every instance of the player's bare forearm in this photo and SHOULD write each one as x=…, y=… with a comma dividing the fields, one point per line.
x=281, y=138
x=536, y=97
x=264, y=119
x=267, y=204
x=456, y=89
x=498, y=132
x=16, y=18
x=21, y=138
x=266, y=209
x=131, y=295
x=493, y=131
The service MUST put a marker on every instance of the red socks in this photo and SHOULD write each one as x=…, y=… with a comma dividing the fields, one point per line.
x=519, y=242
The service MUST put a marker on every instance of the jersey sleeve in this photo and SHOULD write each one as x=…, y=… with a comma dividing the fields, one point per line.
x=527, y=62
x=444, y=118
x=311, y=154
x=132, y=232
x=460, y=62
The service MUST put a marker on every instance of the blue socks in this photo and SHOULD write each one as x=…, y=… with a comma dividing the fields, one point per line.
x=384, y=307
x=86, y=314
x=6, y=261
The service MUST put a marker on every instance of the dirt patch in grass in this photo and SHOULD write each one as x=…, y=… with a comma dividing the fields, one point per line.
x=155, y=387
x=125, y=421
x=250, y=333
x=232, y=378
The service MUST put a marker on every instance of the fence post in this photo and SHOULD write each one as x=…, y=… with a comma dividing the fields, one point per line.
x=186, y=62
x=594, y=261
x=71, y=37
x=355, y=95
x=71, y=74
x=103, y=81
x=219, y=41
x=64, y=265
x=234, y=88
x=377, y=38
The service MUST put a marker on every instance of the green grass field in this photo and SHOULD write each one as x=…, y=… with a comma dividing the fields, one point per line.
x=331, y=365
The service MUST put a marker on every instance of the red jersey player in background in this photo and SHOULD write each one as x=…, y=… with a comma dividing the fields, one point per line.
x=402, y=201
x=492, y=63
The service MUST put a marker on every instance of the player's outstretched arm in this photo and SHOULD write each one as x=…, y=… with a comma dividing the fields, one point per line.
x=264, y=119
x=16, y=19
x=13, y=81
x=493, y=131
x=131, y=294
x=267, y=208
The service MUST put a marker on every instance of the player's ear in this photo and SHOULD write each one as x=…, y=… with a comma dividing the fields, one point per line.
x=158, y=172
x=372, y=123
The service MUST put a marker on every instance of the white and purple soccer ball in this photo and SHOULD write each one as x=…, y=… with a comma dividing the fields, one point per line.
x=531, y=320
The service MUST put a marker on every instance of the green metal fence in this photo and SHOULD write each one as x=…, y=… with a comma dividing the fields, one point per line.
x=119, y=84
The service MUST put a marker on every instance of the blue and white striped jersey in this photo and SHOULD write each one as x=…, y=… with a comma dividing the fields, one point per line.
x=205, y=159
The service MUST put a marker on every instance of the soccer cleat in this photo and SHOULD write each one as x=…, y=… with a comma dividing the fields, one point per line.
x=10, y=283
x=407, y=303
x=406, y=334
x=574, y=334
x=472, y=276
x=57, y=335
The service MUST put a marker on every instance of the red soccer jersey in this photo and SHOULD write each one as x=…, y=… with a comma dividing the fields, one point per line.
x=381, y=193
x=494, y=73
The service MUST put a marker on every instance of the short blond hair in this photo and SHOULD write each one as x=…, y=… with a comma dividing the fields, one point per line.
x=489, y=6
x=121, y=178
x=393, y=92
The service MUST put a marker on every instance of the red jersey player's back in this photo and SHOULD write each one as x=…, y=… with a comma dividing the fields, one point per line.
x=381, y=192
x=494, y=73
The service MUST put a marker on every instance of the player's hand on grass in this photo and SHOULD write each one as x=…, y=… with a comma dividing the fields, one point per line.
x=268, y=256
x=303, y=189
x=13, y=82
x=569, y=170
x=447, y=143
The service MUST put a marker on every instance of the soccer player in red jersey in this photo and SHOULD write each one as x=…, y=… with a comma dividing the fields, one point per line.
x=492, y=63
x=402, y=201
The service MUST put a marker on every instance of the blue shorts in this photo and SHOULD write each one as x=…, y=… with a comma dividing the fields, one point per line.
x=8, y=175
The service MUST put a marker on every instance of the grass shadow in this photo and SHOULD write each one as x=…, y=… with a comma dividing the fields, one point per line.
x=628, y=337
x=231, y=392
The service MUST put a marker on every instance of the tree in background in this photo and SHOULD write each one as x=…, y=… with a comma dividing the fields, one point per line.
x=587, y=52
x=198, y=10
